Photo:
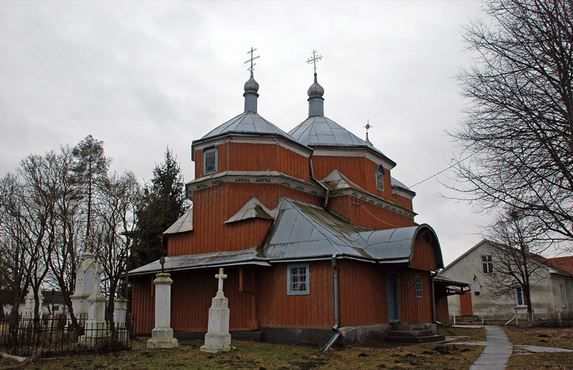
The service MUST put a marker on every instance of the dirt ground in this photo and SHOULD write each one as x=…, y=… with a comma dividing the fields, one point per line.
x=546, y=337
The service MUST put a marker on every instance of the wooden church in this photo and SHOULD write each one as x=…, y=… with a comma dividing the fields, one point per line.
x=315, y=234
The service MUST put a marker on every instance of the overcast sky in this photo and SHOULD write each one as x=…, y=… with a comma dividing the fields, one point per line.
x=142, y=76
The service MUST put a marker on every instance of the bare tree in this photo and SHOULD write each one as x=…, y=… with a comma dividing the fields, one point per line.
x=516, y=258
x=519, y=128
x=113, y=232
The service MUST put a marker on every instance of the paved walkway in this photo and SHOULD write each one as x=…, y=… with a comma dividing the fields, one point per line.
x=496, y=352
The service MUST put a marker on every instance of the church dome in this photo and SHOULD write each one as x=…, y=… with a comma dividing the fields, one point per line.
x=251, y=85
x=315, y=90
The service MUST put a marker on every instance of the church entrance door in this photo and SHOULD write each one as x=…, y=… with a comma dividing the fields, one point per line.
x=393, y=299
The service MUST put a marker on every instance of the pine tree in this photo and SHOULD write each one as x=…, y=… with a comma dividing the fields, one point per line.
x=162, y=204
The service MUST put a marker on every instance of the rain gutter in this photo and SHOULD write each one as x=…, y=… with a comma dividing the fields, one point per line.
x=336, y=307
x=326, y=189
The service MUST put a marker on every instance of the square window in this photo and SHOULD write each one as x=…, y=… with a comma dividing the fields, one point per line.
x=487, y=264
x=298, y=279
x=210, y=160
x=419, y=291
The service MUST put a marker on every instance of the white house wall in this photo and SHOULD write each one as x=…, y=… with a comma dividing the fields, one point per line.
x=502, y=307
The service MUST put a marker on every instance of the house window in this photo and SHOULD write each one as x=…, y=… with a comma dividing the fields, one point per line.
x=298, y=279
x=210, y=160
x=487, y=264
x=519, y=297
x=419, y=291
x=563, y=296
x=55, y=308
x=380, y=177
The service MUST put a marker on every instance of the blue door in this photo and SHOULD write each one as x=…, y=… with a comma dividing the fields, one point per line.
x=393, y=299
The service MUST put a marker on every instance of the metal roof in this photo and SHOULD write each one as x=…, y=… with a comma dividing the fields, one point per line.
x=399, y=184
x=247, y=123
x=183, y=223
x=252, y=209
x=206, y=260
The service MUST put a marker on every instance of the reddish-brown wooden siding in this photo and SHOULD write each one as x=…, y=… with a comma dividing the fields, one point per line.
x=360, y=171
x=213, y=206
x=425, y=252
x=191, y=296
x=363, y=297
x=276, y=308
x=364, y=214
x=404, y=202
x=442, y=313
x=414, y=309
x=143, y=305
x=256, y=157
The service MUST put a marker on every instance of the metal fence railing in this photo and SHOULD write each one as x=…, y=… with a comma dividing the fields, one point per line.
x=50, y=336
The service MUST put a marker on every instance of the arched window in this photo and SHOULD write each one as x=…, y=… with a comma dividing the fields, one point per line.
x=380, y=177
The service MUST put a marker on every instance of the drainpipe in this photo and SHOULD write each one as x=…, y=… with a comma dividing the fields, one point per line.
x=326, y=190
x=433, y=296
x=336, y=307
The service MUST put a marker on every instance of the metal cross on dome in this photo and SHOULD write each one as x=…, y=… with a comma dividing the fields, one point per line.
x=314, y=59
x=252, y=59
x=368, y=126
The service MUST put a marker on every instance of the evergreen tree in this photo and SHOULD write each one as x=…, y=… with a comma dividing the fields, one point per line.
x=162, y=204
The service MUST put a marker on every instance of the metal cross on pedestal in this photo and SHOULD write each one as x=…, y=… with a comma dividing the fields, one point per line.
x=251, y=60
x=221, y=276
x=367, y=127
x=314, y=59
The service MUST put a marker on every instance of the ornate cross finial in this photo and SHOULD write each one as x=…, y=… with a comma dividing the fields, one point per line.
x=314, y=59
x=251, y=60
x=221, y=276
x=368, y=126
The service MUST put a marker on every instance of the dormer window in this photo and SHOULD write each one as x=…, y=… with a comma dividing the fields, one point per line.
x=210, y=160
x=380, y=177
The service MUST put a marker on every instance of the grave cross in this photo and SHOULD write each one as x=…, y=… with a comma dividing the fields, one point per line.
x=314, y=59
x=221, y=276
x=251, y=60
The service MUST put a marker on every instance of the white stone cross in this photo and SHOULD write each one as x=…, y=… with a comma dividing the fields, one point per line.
x=221, y=276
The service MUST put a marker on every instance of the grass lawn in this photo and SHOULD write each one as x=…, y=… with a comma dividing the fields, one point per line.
x=256, y=355
x=547, y=337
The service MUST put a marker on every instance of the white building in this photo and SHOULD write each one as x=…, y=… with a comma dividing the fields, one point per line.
x=551, y=287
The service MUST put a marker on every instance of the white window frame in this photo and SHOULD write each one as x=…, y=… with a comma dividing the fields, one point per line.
x=519, y=293
x=291, y=290
x=487, y=264
x=205, y=153
x=379, y=176
x=419, y=286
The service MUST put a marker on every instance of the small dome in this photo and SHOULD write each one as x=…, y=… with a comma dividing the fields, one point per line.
x=251, y=85
x=315, y=90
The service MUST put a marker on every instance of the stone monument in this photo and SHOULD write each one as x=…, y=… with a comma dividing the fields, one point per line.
x=162, y=333
x=87, y=283
x=218, y=338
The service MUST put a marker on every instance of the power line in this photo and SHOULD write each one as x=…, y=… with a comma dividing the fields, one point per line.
x=442, y=171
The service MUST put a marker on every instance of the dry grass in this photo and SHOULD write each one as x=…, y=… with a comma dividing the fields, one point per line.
x=255, y=355
x=541, y=361
x=477, y=334
x=546, y=337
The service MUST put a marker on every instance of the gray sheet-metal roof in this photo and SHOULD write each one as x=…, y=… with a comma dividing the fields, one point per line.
x=183, y=223
x=317, y=131
x=252, y=209
x=247, y=123
x=400, y=185
x=206, y=260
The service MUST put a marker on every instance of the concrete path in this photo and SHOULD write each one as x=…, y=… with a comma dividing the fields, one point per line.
x=497, y=351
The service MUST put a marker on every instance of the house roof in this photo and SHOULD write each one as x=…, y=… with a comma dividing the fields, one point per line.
x=303, y=231
x=183, y=223
x=563, y=263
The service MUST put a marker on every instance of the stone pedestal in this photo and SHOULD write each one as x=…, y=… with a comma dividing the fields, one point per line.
x=218, y=338
x=95, y=328
x=162, y=334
